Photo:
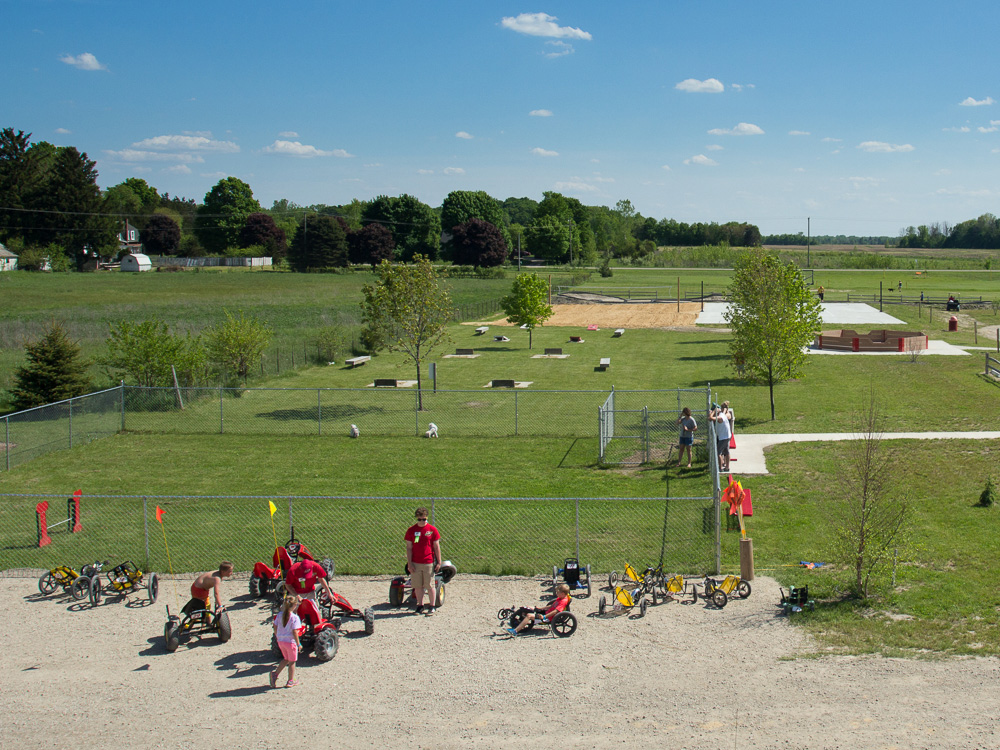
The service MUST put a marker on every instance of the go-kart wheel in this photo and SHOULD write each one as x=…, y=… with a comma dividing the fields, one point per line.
x=275, y=648
x=87, y=571
x=395, y=598
x=224, y=627
x=602, y=605
x=743, y=589
x=255, y=586
x=153, y=587
x=47, y=584
x=438, y=595
x=643, y=604
x=719, y=598
x=503, y=614
x=656, y=599
x=588, y=580
x=327, y=643
x=564, y=624
x=278, y=597
x=95, y=591
x=613, y=579
x=694, y=594
x=370, y=620
x=170, y=637
x=555, y=574
x=80, y=587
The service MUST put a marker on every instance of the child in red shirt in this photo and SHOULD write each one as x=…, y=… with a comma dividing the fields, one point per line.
x=559, y=605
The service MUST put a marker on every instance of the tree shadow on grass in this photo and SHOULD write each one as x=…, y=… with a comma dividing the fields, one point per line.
x=328, y=412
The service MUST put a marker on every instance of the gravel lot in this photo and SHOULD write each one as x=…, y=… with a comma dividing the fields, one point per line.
x=685, y=676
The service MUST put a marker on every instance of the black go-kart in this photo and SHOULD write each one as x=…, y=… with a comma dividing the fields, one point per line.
x=195, y=620
x=401, y=589
x=563, y=624
x=574, y=575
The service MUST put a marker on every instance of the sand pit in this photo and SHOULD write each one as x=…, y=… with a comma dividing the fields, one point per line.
x=684, y=676
x=621, y=315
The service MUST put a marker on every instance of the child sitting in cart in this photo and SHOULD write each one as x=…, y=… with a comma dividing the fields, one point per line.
x=205, y=585
x=559, y=605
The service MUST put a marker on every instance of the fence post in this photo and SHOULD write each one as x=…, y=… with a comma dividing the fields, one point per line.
x=291, y=524
x=319, y=411
x=71, y=423
x=416, y=411
x=6, y=440
x=123, y=404
x=220, y=410
x=645, y=427
x=433, y=509
x=515, y=413
x=578, y=529
x=145, y=528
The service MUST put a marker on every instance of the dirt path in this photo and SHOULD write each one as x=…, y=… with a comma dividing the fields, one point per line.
x=684, y=676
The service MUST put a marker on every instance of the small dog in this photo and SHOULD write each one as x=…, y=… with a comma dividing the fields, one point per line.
x=432, y=431
x=355, y=432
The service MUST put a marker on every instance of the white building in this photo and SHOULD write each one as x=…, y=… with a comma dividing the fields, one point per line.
x=8, y=261
x=136, y=262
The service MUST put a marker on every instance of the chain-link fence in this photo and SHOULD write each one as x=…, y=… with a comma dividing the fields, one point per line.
x=364, y=536
x=32, y=433
x=630, y=434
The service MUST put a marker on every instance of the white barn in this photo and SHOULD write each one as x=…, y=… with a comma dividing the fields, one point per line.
x=136, y=262
x=8, y=261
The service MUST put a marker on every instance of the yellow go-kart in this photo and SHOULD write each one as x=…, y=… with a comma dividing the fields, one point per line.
x=720, y=592
x=625, y=601
x=123, y=580
x=76, y=584
x=676, y=587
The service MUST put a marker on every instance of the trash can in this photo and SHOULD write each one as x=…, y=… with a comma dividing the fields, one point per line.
x=953, y=323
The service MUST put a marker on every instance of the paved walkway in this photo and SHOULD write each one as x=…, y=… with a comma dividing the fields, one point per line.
x=749, y=453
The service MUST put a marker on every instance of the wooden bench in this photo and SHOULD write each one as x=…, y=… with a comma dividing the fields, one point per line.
x=576, y=339
x=502, y=383
x=605, y=363
x=355, y=361
x=500, y=338
x=385, y=383
x=619, y=331
x=481, y=330
x=553, y=351
x=464, y=352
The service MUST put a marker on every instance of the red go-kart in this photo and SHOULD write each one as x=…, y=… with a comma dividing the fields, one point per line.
x=318, y=635
x=264, y=578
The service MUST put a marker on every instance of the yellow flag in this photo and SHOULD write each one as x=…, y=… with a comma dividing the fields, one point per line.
x=273, y=508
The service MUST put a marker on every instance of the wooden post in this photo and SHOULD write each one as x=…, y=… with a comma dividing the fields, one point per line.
x=975, y=330
x=746, y=559
x=678, y=294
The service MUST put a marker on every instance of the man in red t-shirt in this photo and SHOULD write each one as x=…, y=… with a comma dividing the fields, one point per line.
x=423, y=558
x=303, y=576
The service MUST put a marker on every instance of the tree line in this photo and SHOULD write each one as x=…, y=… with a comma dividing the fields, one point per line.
x=52, y=211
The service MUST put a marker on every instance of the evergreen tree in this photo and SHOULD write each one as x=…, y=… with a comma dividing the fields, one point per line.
x=54, y=372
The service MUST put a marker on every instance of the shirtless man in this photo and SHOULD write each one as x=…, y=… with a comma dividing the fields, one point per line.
x=206, y=583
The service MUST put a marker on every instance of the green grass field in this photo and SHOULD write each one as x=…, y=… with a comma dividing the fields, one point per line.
x=944, y=601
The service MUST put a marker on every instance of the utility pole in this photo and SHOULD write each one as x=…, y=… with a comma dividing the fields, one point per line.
x=571, y=242
x=519, y=252
x=808, y=241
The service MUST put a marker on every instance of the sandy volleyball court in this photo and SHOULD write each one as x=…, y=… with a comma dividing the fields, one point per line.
x=685, y=676
x=620, y=315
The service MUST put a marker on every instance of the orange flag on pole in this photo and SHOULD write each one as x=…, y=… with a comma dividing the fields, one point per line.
x=159, y=514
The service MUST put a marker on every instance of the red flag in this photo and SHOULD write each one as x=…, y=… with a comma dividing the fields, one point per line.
x=159, y=513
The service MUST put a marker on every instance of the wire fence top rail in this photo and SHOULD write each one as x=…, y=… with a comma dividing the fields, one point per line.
x=410, y=498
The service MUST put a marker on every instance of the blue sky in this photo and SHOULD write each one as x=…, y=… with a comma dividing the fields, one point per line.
x=865, y=117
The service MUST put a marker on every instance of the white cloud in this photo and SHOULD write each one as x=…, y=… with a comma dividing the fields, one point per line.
x=574, y=186
x=200, y=142
x=798, y=169
x=215, y=175
x=864, y=182
x=799, y=132
x=702, y=160
x=741, y=86
x=666, y=168
x=137, y=155
x=832, y=140
x=963, y=129
x=714, y=147
x=544, y=152
x=86, y=61
x=965, y=193
x=541, y=113
x=288, y=134
x=425, y=171
x=374, y=164
x=561, y=49
x=880, y=147
x=542, y=24
x=302, y=150
x=941, y=172
x=970, y=102
x=463, y=135
x=454, y=170
x=694, y=86
x=179, y=169
x=63, y=131
x=597, y=178
x=994, y=127
x=743, y=128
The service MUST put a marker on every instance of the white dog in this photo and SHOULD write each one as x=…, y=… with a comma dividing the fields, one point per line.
x=355, y=432
x=432, y=431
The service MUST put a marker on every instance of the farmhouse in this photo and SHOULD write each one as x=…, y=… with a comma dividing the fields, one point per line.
x=8, y=261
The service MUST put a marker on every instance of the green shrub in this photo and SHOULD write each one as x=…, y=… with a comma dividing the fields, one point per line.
x=989, y=496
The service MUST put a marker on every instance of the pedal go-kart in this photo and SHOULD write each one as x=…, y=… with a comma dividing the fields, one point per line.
x=265, y=578
x=76, y=584
x=318, y=635
x=625, y=601
x=563, y=624
x=123, y=580
x=339, y=607
x=574, y=575
x=719, y=592
x=796, y=599
x=195, y=620
x=676, y=587
x=401, y=589
x=648, y=582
